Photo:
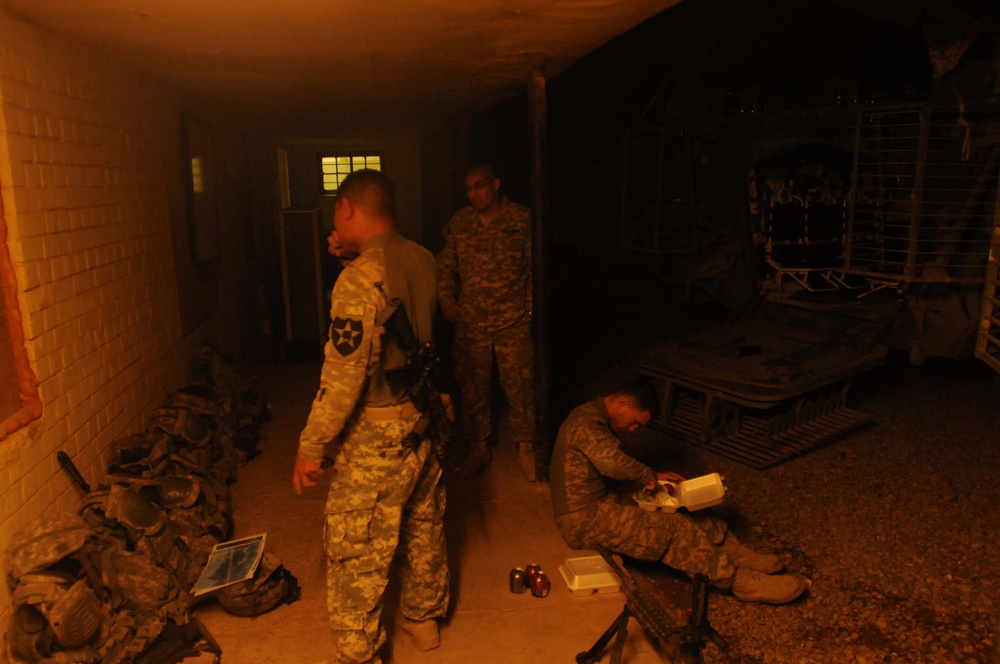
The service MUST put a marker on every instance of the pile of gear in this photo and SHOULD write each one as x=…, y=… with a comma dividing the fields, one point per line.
x=111, y=584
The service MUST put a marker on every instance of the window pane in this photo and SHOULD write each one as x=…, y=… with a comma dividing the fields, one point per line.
x=335, y=168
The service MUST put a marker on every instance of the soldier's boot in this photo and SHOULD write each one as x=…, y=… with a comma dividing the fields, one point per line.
x=526, y=459
x=424, y=634
x=742, y=556
x=752, y=586
x=474, y=461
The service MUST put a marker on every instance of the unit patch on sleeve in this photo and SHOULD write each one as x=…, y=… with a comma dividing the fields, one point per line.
x=345, y=334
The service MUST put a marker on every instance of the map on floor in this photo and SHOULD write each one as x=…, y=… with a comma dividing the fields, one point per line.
x=230, y=562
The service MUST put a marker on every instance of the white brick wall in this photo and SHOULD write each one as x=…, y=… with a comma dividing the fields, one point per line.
x=89, y=162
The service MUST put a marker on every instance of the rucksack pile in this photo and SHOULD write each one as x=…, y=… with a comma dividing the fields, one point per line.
x=111, y=583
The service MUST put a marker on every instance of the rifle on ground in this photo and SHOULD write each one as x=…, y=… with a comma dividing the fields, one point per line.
x=658, y=624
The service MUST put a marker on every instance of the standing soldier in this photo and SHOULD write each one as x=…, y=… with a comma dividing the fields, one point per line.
x=484, y=280
x=385, y=493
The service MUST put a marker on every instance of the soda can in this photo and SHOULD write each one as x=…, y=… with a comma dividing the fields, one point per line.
x=532, y=569
x=540, y=584
x=518, y=580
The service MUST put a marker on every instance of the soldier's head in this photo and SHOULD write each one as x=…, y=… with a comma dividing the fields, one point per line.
x=482, y=186
x=365, y=207
x=370, y=190
x=631, y=405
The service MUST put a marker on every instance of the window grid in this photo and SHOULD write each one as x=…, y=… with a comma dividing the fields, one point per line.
x=337, y=167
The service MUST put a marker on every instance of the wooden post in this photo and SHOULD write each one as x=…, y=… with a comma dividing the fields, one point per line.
x=537, y=110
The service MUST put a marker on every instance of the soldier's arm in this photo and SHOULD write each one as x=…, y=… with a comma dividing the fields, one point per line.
x=602, y=447
x=345, y=368
x=447, y=269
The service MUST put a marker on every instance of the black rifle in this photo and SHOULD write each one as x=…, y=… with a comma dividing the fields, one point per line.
x=420, y=377
x=658, y=624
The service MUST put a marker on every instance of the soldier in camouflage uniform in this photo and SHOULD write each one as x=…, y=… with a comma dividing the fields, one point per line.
x=487, y=255
x=386, y=498
x=589, y=515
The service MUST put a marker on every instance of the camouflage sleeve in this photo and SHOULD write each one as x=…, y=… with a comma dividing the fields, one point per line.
x=603, y=449
x=345, y=367
x=447, y=267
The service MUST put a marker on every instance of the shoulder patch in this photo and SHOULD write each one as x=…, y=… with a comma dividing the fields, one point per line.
x=346, y=334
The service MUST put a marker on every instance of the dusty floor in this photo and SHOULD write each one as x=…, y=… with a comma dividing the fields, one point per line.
x=895, y=526
x=495, y=522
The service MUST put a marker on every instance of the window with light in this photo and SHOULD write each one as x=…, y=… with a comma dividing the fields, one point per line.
x=337, y=167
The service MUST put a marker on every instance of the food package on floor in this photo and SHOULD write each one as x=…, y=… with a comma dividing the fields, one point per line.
x=589, y=574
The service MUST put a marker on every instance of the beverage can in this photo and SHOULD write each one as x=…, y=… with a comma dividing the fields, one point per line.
x=518, y=580
x=540, y=584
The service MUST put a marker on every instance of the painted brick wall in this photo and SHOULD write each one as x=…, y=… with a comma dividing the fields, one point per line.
x=90, y=161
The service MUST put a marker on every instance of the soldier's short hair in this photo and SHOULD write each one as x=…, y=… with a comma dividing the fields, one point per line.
x=372, y=190
x=483, y=168
x=642, y=392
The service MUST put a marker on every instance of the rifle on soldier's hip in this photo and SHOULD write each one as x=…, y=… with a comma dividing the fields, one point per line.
x=420, y=376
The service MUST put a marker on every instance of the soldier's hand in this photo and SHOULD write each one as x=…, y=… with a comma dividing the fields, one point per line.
x=305, y=475
x=450, y=312
x=667, y=476
x=335, y=247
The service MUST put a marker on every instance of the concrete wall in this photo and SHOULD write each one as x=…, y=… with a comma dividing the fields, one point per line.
x=92, y=185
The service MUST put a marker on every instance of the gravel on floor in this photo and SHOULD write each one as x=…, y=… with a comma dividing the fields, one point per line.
x=896, y=527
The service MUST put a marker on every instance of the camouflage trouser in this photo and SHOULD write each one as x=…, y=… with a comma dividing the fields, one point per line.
x=473, y=352
x=385, y=501
x=683, y=542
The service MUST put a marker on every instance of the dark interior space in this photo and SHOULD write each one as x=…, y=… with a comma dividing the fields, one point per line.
x=783, y=213
x=764, y=86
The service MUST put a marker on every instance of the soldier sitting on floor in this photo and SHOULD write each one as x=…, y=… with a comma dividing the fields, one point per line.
x=589, y=515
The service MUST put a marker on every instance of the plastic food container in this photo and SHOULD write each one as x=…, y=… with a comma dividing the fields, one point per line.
x=693, y=494
x=590, y=574
x=661, y=500
x=701, y=492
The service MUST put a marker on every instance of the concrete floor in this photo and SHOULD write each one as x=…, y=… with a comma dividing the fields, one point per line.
x=495, y=522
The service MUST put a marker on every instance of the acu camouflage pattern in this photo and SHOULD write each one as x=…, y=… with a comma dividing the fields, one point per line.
x=386, y=499
x=589, y=514
x=342, y=378
x=491, y=265
x=473, y=352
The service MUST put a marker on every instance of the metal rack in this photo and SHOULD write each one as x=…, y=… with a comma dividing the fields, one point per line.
x=922, y=196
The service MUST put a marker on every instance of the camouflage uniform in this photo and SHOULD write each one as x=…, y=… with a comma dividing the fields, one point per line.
x=385, y=497
x=589, y=514
x=492, y=264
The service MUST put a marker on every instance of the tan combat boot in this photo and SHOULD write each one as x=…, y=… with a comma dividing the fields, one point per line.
x=477, y=458
x=752, y=586
x=424, y=634
x=526, y=459
x=741, y=556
